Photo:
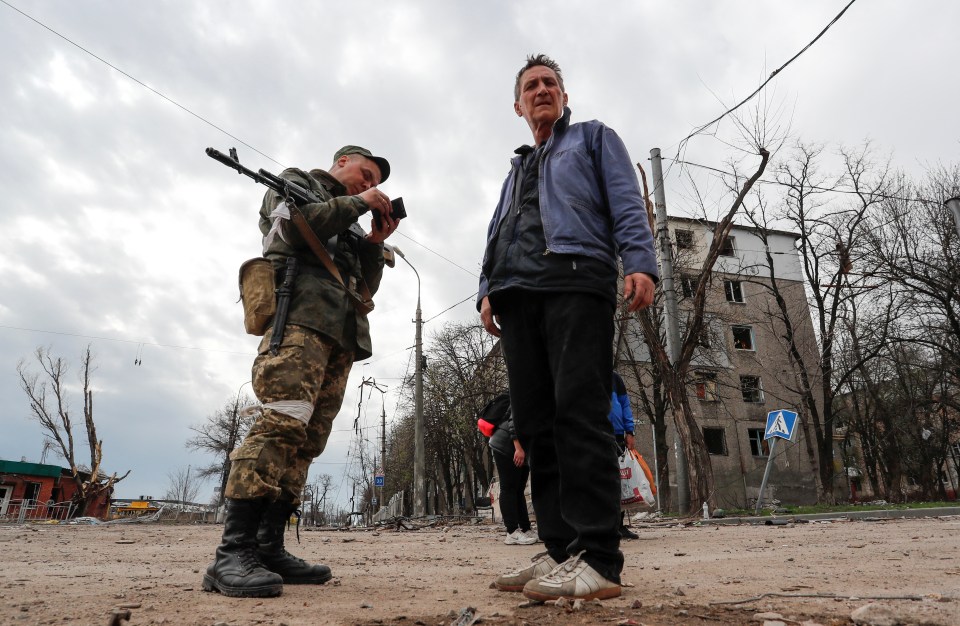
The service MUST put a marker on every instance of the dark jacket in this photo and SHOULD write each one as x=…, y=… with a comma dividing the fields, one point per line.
x=502, y=439
x=590, y=200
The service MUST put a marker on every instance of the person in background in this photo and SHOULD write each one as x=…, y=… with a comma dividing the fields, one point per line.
x=513, y=471
x=621, y=417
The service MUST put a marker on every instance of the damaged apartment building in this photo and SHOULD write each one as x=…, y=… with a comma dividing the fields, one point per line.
x=741, y=368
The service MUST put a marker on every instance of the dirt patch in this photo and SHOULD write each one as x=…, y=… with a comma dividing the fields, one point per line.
x=816, y=572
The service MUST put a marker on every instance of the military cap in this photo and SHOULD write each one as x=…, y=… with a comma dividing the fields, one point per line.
x=380, y=161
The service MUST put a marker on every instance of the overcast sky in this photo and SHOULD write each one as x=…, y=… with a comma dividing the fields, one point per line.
x=117, y=231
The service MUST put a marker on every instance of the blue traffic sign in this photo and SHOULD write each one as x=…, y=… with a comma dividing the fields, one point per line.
x=378, y=480
x=780, y=423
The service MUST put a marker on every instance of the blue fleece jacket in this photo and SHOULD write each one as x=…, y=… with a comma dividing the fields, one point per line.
x=620, y=414
x=590, y=200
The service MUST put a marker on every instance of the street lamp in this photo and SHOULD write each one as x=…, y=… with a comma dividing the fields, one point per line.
x=954, y=205
x=419, y=461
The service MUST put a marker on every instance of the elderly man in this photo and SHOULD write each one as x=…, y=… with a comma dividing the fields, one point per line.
x=569, y=207
x=301, y=383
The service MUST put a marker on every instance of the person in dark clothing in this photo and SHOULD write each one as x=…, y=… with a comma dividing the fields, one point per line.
x=512, y=468
x=569, y=209
x=621, y=417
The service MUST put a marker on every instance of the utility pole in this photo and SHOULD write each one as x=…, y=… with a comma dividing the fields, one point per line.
x=671, y=317
x=419, y=454
x=419, y=459
x=186, y=489
x=379, y=468
x=383, y=436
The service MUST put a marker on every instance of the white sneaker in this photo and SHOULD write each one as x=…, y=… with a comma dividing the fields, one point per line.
x=540, y=564
x=573, y=578
x=527, y=537
x=514, y=538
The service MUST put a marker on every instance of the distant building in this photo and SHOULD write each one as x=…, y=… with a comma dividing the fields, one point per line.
x=39, y=491
x=741, y=370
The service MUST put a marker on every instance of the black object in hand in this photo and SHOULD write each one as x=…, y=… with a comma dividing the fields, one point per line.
x=397, y=212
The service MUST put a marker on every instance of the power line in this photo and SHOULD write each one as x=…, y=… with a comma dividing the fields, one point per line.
x=783, y=184
x=136, y=341
x=474, y=274
x=470, y=297
x=771, y=77
x=196, y=115
x=140, y=82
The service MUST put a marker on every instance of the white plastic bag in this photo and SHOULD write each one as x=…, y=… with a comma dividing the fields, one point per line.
x=634, y=485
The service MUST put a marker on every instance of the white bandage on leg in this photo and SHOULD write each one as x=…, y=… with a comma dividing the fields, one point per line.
x=299, y=410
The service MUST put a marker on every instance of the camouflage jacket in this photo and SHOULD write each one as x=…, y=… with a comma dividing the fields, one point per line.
x=319, y=302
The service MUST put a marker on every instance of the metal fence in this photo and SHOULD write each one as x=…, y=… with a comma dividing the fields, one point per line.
x=22, y=511
x=393, y=509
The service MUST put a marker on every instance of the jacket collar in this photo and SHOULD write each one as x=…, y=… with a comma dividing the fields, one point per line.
x=559, y=127
x=328, y=182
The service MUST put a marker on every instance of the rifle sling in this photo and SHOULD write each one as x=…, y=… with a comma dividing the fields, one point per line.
x=362, y=301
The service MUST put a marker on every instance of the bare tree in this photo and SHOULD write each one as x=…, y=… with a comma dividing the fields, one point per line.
x=220, y=435
x=674, y=374
x=465, y=370
x=905, y=404
x=182, y=486
x=50, y=407
x=839, y=284
x=319, y=489
x=913, y=243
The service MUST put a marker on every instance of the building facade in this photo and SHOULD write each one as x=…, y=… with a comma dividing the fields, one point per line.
x=741, y=370
x=40, y=491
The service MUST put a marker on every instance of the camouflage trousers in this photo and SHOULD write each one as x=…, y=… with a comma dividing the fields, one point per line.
x=301, y=390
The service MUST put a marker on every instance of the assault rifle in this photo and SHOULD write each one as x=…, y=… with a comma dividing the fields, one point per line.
x=289, y=189
x=283, y=187
x=295, y=196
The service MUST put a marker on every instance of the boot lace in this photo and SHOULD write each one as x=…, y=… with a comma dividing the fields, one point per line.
x=248, y=559
x=565, y=569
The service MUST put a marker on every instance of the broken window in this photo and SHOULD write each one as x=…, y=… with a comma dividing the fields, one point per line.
x=758, y=445
x=715, y=440
x=684, y=239
x=727, y=248
x=742, y=337
x=751, y=389
x=706, y=386
x=733, y=290
x=688, y=285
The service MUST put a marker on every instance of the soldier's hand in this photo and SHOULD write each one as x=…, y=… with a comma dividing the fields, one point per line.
x=379, y=203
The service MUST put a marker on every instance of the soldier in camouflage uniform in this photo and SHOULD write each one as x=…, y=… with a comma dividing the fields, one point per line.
x=301, y=387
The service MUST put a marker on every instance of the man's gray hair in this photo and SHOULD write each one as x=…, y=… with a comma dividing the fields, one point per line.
x=533, y=61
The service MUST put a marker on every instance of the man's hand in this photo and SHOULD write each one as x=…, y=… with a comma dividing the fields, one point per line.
x=629, y=440
x=518, y=457
x=379, y=203
x=490, y=321
x=637, y=291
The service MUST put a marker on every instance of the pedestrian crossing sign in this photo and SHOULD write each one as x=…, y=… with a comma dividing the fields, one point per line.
x=780, y=423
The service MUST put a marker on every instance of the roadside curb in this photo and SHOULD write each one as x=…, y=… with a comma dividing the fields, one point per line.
x=884, y=514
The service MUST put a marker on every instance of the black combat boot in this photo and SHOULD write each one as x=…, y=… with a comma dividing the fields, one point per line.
x=294, y=570
x=236, y=571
